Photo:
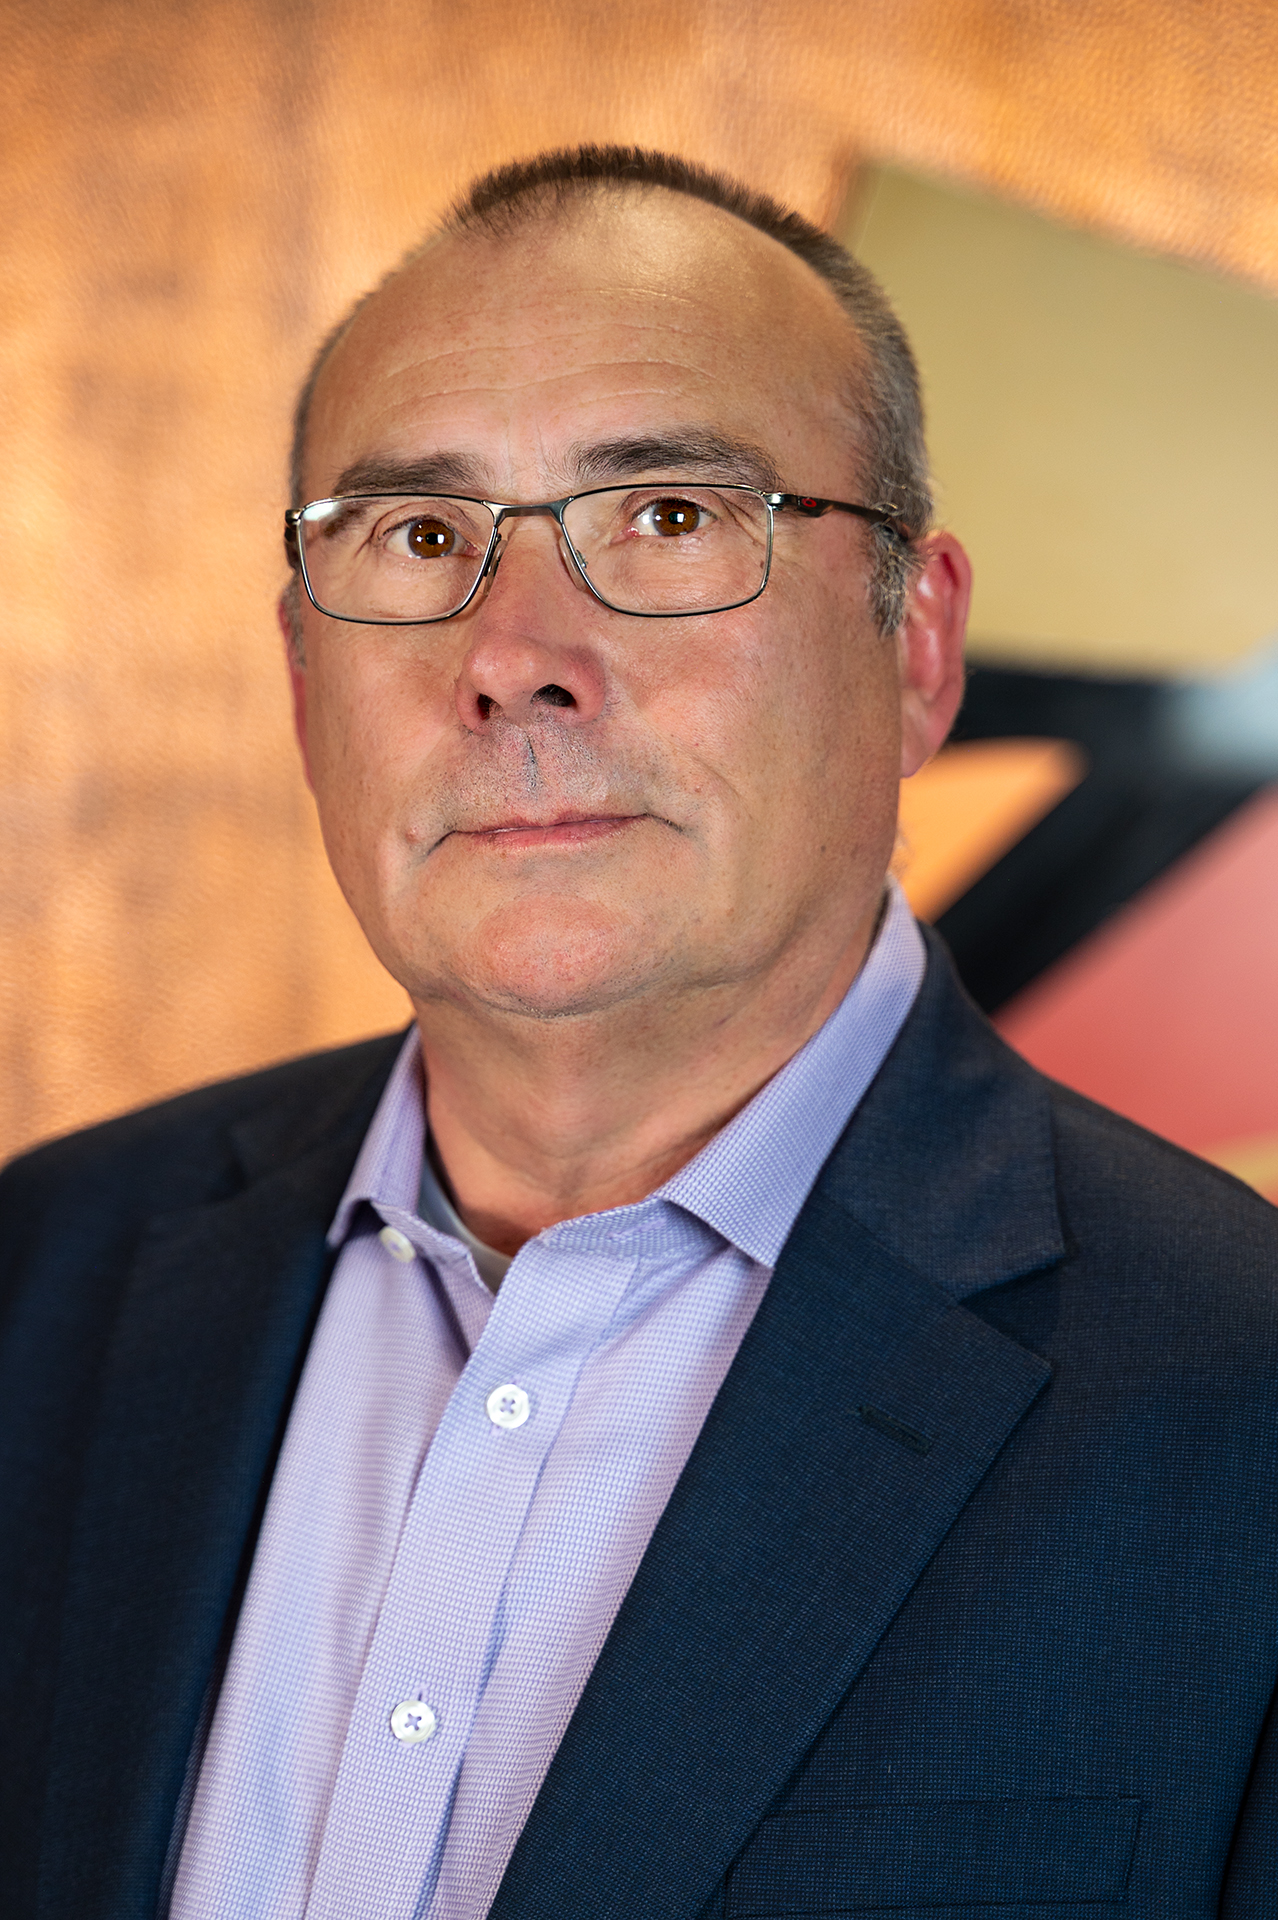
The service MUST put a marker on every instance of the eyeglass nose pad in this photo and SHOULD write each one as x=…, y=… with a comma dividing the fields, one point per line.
x=493, y=561
x=578, y=567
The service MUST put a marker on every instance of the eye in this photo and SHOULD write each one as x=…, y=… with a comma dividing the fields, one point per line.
x=428, y=539
x=430, y=530
x=671, y=517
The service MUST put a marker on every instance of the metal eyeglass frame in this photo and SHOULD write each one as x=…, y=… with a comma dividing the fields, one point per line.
x=807, y=504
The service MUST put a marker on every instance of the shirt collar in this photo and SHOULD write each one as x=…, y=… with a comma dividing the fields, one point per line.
x=747, y=1183
x=388, y=1167
x=751, y=1179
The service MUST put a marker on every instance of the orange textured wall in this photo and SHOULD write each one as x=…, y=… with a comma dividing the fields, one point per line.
x=190, y=194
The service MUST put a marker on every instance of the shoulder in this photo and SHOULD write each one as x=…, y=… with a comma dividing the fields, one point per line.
x=1106, y=1169
x=1142, y=1192
x=187, y=1150
x=973, y=1167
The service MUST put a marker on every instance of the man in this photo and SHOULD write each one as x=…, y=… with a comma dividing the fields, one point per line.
x=698, y=1428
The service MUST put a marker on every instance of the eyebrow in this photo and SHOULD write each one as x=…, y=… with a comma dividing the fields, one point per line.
x=432, y=473
x=694, y=451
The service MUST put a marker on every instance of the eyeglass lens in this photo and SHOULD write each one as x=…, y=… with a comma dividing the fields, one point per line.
x=647, y=550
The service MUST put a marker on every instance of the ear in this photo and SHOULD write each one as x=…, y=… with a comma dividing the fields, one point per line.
x=930, y=649
x=287, y=613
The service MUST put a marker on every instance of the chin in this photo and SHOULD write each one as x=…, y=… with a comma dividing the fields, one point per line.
x=557, y=957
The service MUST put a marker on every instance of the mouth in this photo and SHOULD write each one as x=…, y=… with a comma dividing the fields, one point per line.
x=564, y=831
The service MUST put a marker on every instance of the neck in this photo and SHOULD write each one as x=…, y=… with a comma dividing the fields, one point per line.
x=541, y=1120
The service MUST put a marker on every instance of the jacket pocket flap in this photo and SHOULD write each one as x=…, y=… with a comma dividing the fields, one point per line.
x=939, y=1853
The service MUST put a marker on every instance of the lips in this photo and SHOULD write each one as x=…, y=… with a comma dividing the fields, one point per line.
x=565, y=830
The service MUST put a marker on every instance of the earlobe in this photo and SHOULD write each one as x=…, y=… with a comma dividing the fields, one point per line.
x=930, y=649
x=286, y=612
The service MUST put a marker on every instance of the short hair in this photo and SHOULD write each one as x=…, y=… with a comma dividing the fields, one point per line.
x=885, y=395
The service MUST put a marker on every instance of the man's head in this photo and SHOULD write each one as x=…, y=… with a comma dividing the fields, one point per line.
x=543, y=807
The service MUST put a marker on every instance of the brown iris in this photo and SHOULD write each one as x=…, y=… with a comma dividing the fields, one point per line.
x=675, y=516
x=430, y=539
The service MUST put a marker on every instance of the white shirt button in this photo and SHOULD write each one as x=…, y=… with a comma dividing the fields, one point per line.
x=412, y=1722
x=398, y=1245
x=508, y=1406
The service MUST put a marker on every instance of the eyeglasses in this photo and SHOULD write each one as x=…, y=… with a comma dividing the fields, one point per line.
x=659, y=552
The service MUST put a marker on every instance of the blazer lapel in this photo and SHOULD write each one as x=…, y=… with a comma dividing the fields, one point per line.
x=197, y=1383
x=864, y=1407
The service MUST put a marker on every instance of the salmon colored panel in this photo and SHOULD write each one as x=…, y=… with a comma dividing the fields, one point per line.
x=961, y=812
x=1170, y=1011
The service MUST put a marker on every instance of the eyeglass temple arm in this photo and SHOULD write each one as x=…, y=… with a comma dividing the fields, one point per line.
x=806, y=503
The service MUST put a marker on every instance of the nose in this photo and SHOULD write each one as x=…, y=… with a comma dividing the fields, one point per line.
x=533, y=653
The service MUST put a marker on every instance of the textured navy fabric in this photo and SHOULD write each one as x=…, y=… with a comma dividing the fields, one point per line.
x=1021, y=1669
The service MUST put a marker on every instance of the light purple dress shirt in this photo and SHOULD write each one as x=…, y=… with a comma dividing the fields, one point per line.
x=467, y=1486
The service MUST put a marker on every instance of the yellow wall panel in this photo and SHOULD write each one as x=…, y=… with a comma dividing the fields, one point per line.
x=1103, y=428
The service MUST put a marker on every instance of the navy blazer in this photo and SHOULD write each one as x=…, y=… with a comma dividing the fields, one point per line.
x=964, y=1608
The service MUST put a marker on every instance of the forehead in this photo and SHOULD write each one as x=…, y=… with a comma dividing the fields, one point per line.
x=627, y=316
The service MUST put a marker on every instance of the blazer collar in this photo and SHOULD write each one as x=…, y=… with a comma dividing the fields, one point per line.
x=865, y=1405
x=334, y=1100
x=949, y=1159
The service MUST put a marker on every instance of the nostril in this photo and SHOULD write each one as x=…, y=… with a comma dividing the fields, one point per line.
x=553, y=696
x=485, y=705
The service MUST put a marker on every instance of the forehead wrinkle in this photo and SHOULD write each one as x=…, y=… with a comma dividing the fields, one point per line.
x=484, y=385
x=565, y=338
x=534, y=308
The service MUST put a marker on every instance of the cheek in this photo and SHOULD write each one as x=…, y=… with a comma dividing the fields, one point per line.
x=787, y=703
x=371, y=714
x=370, y=727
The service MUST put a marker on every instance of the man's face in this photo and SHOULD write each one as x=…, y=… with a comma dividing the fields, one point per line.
x=544, y=806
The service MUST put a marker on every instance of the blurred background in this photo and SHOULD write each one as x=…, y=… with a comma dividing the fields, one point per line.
x=1074, y=204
